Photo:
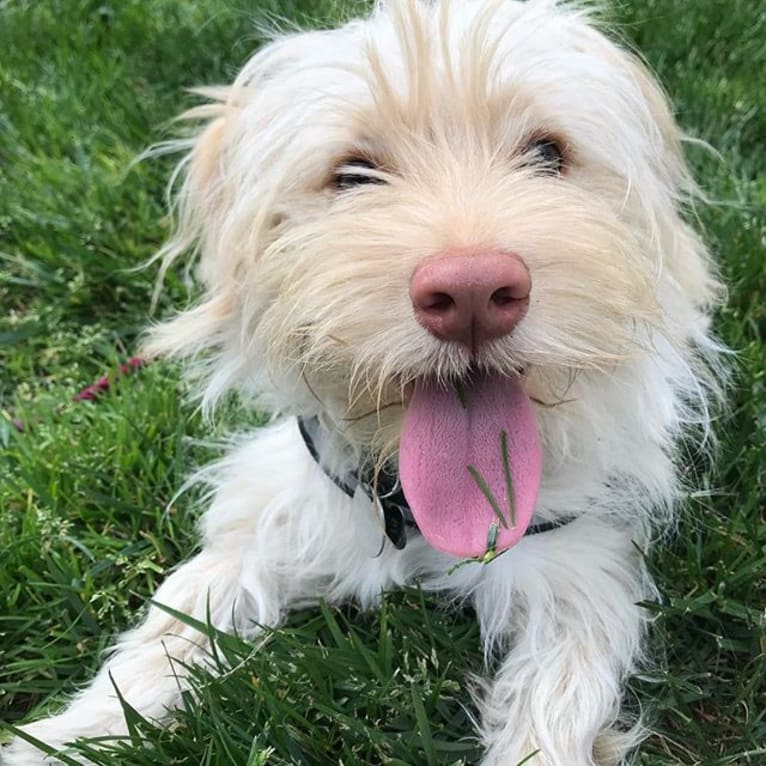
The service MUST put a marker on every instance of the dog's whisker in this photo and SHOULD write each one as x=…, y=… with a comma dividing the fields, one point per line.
x=370, y=413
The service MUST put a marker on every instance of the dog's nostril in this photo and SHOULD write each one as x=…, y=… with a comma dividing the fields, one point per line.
x=440, y=302
x=502, y=296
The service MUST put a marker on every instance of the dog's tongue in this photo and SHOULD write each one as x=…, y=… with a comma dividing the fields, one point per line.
x=456, y=449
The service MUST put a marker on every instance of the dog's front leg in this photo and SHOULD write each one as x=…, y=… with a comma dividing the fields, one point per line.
x=574, y=634
x=278, y=532
x=148, y=665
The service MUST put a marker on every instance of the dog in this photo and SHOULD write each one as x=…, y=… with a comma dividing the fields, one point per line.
x=445, y=243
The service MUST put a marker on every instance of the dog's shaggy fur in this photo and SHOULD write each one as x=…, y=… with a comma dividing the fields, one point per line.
x=307, y=307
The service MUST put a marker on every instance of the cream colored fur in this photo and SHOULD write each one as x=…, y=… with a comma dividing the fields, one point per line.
x=306, y=308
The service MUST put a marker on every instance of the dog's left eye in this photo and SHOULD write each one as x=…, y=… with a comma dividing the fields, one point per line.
x=355, y=172
x=546, y=155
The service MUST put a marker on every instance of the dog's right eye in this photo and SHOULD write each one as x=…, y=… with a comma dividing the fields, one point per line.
x=356, y=172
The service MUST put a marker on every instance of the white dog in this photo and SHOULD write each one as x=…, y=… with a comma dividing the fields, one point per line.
x=447, y=238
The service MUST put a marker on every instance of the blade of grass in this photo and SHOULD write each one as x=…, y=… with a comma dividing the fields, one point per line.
x=508, y=478
x=487, y=492
x=424, y=729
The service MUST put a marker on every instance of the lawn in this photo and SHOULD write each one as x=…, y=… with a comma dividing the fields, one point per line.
x=88, y=520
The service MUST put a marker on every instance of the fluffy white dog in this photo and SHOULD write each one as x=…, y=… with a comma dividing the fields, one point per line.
x=447, y=238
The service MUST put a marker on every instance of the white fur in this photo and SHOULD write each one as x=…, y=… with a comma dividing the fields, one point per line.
x=615, y=347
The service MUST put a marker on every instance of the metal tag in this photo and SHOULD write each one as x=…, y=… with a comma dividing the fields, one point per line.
x=370, y=523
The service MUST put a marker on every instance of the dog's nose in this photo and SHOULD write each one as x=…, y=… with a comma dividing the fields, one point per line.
x=470, y=297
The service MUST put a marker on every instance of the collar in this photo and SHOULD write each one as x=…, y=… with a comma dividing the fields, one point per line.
x=387, y=492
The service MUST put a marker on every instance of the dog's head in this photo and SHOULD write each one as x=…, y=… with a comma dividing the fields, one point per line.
x=443, y=194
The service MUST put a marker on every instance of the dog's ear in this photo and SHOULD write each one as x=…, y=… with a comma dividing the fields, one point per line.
x=683, y=254
x=199, y=211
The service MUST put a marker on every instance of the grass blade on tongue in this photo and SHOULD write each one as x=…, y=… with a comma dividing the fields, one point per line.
x=508, y=478
x=489, y=555
x=462, y=394
x=487, y=492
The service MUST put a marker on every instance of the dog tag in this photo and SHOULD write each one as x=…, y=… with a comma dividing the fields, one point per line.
x=395, y=530
x=370, y=523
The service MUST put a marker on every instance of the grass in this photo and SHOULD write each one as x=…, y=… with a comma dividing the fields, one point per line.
x=85, y=530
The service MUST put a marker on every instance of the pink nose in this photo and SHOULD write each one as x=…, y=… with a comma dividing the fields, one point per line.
x=470, y=297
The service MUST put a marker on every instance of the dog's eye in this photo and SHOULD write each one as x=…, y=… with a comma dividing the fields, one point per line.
x=545, y=155
x=355, y=172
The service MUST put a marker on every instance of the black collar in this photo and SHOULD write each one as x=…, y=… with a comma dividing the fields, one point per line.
x=387, y=492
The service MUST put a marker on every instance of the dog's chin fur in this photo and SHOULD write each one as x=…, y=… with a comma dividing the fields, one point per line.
x=306, y=307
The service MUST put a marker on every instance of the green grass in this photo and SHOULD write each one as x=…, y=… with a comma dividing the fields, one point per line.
x=84, y=532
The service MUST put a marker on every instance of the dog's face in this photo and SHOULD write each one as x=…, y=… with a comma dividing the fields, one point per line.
x=350, y=180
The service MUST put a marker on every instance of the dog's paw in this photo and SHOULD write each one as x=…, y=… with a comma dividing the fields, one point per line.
x=21, y=752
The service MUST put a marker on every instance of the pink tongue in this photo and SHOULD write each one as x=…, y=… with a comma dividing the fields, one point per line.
x=443, y=437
